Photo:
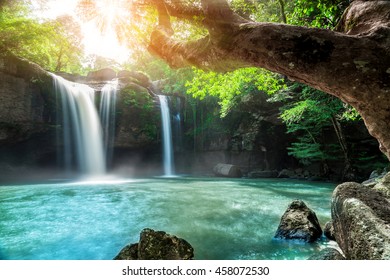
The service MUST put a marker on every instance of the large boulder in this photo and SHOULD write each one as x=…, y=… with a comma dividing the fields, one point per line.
x=136, y=77
x=299, y=222
x=105, y=74
x=361, y=220
x=157, y=245
x=227, y=170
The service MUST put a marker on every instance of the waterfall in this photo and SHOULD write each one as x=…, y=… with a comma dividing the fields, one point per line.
x=178, y=137
x=167, y=136
x=107, y=117
x=82, y=133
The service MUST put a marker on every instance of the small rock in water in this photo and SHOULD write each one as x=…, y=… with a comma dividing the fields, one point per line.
x=329, y=231
x=299, y=222
x=327, y=254
x=157, y=245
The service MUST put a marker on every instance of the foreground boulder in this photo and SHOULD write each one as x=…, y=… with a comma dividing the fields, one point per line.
x=361, y=220
x=227, y=170
x=327, y=254
x=299, y=222
x=157, y=245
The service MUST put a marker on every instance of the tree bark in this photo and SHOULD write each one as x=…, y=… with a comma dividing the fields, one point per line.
x=282, y=12
x=352, y=63
x=344, y=147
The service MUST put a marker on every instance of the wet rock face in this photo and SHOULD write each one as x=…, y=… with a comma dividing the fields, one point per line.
x=24, y=99
x=27, y=111
x=300, y=223
x=361, y=220
x=157, y=245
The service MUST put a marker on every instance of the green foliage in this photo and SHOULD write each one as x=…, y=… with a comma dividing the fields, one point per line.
x=50, y=43
x=306, y=150
x=318, y=13
x=232, y=84
x=367, y=161
x=311, y=114
x=137, y=99
x=156, y=69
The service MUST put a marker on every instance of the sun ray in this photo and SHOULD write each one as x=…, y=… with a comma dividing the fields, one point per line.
x=104, y=24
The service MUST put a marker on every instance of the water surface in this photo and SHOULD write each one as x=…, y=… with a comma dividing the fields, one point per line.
x=221, y=219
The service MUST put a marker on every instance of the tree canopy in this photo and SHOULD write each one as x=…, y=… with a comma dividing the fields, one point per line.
x=53, y=44
x=351, y=62
x=347, y=57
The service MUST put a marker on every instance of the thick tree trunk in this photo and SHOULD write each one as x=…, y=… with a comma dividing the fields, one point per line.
x=352, y=63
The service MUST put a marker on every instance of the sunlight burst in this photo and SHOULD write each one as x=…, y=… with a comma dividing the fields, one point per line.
x=104, y=27
x=103, y=23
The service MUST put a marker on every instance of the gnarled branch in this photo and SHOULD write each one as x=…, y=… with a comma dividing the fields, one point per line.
x=354, y=66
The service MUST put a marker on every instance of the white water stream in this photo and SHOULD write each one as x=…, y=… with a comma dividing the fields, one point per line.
x=82, y=133
x=167, y=136
x=107, y=111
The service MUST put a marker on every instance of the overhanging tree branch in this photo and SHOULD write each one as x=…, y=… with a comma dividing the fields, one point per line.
x=353, y=65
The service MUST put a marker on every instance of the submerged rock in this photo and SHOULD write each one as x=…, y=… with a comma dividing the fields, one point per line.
x=157, y=245
x=327, y=254
x=299, y=222
x=361, y=220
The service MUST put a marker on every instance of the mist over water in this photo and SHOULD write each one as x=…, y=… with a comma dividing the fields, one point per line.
x=221, y=219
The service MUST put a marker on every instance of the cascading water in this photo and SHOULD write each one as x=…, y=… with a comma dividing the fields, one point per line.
x=177, y=126
x=107, y=117
x=82, y=133
x=167, y=136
